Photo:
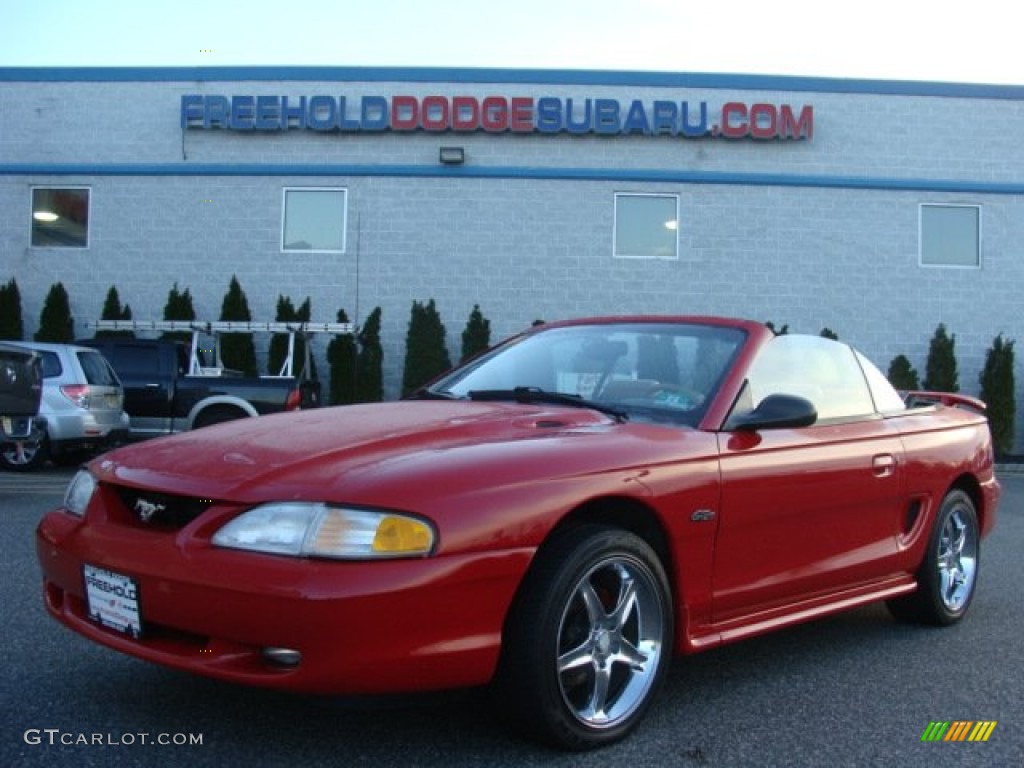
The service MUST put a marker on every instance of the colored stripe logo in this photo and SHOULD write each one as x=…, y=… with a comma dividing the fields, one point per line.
x=959, y=730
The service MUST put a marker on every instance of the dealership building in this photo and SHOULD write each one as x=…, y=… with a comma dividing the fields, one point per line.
x=876, y=209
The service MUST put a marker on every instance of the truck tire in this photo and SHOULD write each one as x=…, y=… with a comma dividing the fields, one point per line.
x=217, y=414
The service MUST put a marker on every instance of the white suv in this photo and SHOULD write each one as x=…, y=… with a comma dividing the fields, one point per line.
x=82, y=407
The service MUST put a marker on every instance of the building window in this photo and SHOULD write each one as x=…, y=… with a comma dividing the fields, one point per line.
x=314, y=220
x=646, y=226
x=60, y=217
x=950, y=235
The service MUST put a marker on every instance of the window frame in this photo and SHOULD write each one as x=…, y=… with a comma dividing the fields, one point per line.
x=920, y=237
x=615, y=226
x=60, y=188
x=344, y=219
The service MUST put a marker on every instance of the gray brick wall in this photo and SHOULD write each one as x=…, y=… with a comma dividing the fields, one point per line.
x=524, y=248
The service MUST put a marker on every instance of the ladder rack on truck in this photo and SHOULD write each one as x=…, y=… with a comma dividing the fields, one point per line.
x=217, y=328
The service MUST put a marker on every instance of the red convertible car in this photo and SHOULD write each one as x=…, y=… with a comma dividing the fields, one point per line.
x=556, y=519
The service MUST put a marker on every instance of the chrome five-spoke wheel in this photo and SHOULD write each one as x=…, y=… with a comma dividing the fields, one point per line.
x=587, y=642
x=610, y=642
x=957, y=557
x=948, y=576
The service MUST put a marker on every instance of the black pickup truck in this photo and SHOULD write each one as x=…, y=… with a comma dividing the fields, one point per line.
x=165, y=391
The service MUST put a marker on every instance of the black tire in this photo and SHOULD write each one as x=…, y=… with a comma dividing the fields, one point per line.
x=948, y=576
x=588, y=640
x=32, y=455
x=217, y=415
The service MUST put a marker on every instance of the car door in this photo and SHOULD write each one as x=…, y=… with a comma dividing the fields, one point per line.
x=806, y=512
x=148, y=381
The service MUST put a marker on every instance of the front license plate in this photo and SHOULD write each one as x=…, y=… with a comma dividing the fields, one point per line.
x=112, y=599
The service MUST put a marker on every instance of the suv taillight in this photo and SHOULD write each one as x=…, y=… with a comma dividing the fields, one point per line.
x=77, y=394
x=294, y=400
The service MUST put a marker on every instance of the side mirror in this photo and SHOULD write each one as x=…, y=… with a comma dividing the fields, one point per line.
x=778, y=412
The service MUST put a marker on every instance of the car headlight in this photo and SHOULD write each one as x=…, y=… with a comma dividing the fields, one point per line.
x=305, y=529
x=79, y=492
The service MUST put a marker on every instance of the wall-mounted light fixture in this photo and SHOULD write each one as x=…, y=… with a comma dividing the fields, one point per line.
x=453, y=155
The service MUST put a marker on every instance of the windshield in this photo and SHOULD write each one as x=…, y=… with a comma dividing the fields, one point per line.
x=656, y=371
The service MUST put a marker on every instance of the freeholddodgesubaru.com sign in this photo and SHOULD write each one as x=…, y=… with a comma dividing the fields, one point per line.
x=498, y=114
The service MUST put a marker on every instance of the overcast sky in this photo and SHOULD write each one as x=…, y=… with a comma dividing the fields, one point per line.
x=975, y=41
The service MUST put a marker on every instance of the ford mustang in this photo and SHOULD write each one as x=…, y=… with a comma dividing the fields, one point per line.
x=555, y=519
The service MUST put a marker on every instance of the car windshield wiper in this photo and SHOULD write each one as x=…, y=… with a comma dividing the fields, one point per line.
x=537, y=395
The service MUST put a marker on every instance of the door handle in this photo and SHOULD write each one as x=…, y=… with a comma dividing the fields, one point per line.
x=883, y=465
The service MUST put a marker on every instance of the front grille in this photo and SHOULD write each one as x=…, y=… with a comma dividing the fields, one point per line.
x=161, y=510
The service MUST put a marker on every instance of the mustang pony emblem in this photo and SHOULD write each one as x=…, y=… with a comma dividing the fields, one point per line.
x=147, y=509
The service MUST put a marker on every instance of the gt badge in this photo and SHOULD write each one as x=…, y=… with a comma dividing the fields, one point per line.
x=703, y=515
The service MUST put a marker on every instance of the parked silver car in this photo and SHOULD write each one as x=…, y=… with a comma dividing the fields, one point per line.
x=82, y=407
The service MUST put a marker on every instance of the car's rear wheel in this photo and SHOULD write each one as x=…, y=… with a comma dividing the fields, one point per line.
x=218, y=414
x=27, y=455
x=588, y=640
x=947, y=578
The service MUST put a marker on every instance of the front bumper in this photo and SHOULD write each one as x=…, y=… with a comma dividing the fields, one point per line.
x=361, y=627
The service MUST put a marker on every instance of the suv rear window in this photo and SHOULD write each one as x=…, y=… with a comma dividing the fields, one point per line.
x=97, y=371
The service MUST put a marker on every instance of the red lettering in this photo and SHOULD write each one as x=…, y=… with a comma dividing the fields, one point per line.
x=405, y=113
x=796, y=128
x=763, y=121
x=435, y=113
x=495, y=114
x=734, y=130
x=465, y=113
x=522, y=115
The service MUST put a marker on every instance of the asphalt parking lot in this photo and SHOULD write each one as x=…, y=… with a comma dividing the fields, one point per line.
x=853, y=690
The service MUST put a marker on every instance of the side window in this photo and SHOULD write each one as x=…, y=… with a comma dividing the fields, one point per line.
x=51, y=365
x=823, y=371
x=887, y=399
x=136, y=362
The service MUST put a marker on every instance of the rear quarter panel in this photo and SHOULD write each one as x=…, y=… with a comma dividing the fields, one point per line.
x=947, y=448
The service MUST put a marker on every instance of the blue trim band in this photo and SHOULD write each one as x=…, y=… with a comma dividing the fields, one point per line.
x=511, y=77
x=518, y=172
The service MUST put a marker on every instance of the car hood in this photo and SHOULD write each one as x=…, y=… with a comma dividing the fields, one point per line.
x=391, y=454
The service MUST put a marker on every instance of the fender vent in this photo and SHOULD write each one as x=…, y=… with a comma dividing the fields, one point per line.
x=911, y=517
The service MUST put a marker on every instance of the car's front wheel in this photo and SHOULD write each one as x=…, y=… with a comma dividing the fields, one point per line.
x=947, y=578
x=588, y=640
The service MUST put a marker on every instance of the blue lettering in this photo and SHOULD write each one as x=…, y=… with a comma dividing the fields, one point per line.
x=692, y=130
x=578, y=127
x=549, y=115
x=323, y=113
x=216, y=112
x=345, y=122
x=636, y=119
x=666, y=118
x=191, y=109
x=606, y=116
x=268, y=113
x=374, y=113
x=289, y=113
x=243, y=112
